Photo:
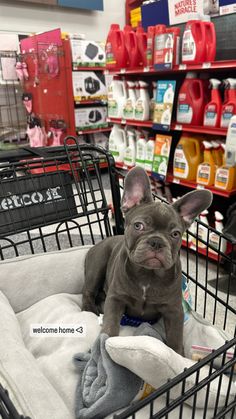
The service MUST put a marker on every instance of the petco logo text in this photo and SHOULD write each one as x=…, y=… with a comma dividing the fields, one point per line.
x=26, y=199
x=58, y=330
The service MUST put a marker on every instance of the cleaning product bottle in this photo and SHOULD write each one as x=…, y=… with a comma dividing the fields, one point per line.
x=212, y=112
x=129, y=104
x=217, y=153
x=187, y=157
x=229, y=107
x=202, y=230
x=131, y=42
x=141, y=151
x=230, y=145
x=116, y=98
x=142, y=105
x=191, y=100
x=117, y=143
x=206, y=170
x=150, y=147
x=220, y=244
x=175, y=44
x=116, y=53
x=210, y=39
x=225, y=177
x=159, y=44
x=142, y=45
x=153, y=100
x=130, y=151
x=150, y=45
x=193, y=43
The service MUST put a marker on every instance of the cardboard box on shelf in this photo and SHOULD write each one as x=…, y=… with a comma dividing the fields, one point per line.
x=91, y=117
x=89, y=85
x=87, y=53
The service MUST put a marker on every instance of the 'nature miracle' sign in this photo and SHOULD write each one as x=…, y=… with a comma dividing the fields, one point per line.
x=179, y=10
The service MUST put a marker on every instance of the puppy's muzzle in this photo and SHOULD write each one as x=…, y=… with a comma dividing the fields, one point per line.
x=156, y=243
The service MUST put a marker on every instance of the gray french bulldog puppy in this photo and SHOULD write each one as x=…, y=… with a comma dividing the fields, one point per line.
x=140, y=272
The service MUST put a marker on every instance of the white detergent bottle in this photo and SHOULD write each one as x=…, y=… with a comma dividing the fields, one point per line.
x=116, y=98
x=142, y=105
x=153, y=100
x=202, y=231
x=129, y=104
x=117, y=143
x=141, y=151
x=130, y=151
x=150, y=147
x=218, y=243
x=169, y=95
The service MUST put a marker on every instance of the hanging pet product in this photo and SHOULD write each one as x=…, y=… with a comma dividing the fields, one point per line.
x=36, y=132
x=22, y=70
x=57, y=129
x=27, y=99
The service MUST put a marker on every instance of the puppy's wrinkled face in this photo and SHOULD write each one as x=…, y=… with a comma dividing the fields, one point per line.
x=153, y=235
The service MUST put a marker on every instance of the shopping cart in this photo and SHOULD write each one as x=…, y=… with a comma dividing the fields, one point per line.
x=57, y=198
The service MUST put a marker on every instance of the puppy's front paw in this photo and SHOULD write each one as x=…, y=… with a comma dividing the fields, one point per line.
x=90, y=307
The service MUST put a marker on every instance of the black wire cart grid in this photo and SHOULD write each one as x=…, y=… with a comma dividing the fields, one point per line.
x=56, y=198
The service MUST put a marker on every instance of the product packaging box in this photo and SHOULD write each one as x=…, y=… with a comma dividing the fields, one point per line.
x=164, y=104
x=89, y=85
x=161, y=155
x=91, y=118
x=87, y=53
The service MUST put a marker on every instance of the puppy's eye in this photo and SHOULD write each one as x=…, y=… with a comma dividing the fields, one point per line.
x=175, y=234
x=138, y=226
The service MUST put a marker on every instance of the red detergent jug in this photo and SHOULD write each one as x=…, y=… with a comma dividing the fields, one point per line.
x=210, y=39
x=150, y=45
x=131, y=43
x=116, y=53
x=142, y=45
x=193, y=43
x=191, y=100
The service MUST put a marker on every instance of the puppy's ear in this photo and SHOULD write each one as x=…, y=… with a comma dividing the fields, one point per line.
x=137, y=189
x=192, y=204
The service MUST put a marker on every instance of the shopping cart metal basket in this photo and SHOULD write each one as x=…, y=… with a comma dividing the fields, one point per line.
x=57, y=198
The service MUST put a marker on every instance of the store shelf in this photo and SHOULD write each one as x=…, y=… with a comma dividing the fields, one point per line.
x=93, y=131
x=91, y=102
x=193, y=185
x=125, y=167
x=199, y=129
x=78, y=68
x=216, y=65
x=122, y=121
x=201, y=251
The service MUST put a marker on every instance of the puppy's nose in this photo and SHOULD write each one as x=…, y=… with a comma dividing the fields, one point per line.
x=156, y=243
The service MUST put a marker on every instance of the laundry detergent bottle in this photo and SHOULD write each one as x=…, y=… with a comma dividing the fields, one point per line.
x=150, y=45
x=117, y=96
x=141, y=151
x=142, y=105
x=206, y=170
x=225, y=177
x=117, y=143
x=116, y=53
x=193, y=43
x=187, y=158
x=150, y=147
x=210, y=39
x=212, y=112
x=129, y=104
x=191, y=100
x=130, y=151
x=142, y=45
x=131, y=42
x=229, y=107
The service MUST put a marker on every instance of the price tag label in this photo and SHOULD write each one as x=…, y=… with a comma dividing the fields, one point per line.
x=182, y=67
x=175, y=180
x=206, y=65
x=200, y=186
x=108, y=119
x=106, y=72
x=123, y=70
x=123, y=121
x=178, y=127
x=80, y=132
x=146, y=69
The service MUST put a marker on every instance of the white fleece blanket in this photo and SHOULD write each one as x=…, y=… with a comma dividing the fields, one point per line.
x=39, y=371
